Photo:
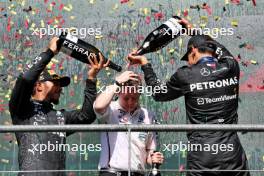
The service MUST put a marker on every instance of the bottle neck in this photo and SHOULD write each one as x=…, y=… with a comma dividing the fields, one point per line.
x=140, y=51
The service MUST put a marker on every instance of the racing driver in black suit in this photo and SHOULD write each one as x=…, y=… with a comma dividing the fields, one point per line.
x=210, y=86
x=31, y=103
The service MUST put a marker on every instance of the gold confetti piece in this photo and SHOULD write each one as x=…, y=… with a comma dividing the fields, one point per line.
x=72, y=17
x=49, y=65
x=5, y=161
x=54, y=60
x=33, y=25
x=124, y=26
x=146, y=11
x=115, y=7
x=75, y=78
x=184, y=153
x=204, y=19
x=13, y=12
x=73, y=29
x=56, y=21
x=253, y=62
x=171, y=51
x=33, y=12
x=23, y=3
x=79, y=106
x=98, y=84
x=180, y=43
x=108, y=73
x=131, y=3
x=203, y=25
x=134, y=25
x=68, y=7
x=167, y=77
x=179, y=13
x=234, y=23
x=92, y=1
x=11, y=6
x=226, y=2
x=42, y=24
x=113, y=52
x=98, y=36
x=86, y=156
x=49, y=8
x=1, y=56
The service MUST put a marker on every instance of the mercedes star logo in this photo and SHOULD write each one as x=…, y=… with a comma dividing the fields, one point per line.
x=205, y=72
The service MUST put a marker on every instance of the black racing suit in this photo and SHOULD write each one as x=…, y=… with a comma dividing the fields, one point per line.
x=210, y=88
x=25, y=111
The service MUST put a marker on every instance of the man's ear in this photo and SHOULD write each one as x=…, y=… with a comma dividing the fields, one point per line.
x=193, y=54
x=194, y=50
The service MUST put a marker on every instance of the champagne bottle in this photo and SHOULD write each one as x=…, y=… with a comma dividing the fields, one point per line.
x=161, y=36
x=155, y=170
x=81, y=50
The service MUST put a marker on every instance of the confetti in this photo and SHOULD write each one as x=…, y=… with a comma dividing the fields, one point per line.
x=148, y=19
x=207, y=8
x=124, y=1
x=234, y=23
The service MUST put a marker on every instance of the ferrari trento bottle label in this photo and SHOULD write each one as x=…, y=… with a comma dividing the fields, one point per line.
x=71, y=47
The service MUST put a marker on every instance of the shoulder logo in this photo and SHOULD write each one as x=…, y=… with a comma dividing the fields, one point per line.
x=205, y=72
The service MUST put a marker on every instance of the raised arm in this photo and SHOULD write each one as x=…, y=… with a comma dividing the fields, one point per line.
x=169, y=90
x=21, y=94
x=103, y=101
x=86, y=114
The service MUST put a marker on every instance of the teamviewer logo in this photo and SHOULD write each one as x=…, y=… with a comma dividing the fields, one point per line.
x=200, y=101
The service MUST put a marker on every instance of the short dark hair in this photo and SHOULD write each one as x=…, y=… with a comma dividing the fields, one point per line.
x=133, y=83
x=206, y=50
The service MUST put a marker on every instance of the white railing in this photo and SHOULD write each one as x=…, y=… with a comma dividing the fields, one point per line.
x=129, y=129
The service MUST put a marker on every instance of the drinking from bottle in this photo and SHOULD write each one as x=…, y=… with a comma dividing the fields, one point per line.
x=81, y=50
x=161, y=36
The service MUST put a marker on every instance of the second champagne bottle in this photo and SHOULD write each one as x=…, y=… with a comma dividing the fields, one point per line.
x=162, y=36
